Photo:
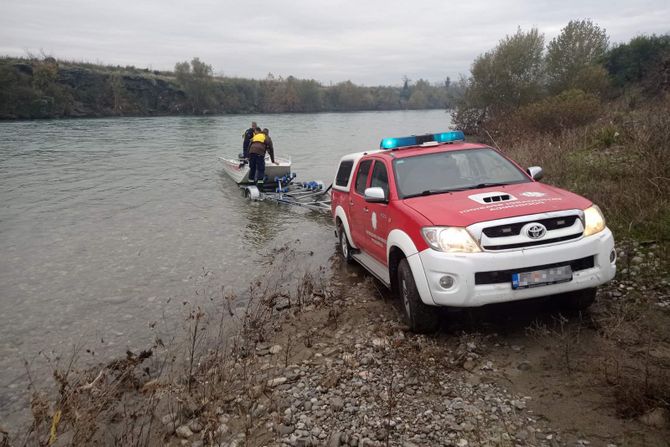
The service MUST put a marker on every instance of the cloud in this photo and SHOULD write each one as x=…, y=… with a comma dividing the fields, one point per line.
x=368, y=42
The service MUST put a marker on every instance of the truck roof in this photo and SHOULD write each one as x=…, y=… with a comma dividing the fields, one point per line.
x=431, y=149
x=415, y=150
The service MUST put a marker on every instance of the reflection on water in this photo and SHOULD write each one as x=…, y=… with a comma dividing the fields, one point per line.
x=107, y=224
x=262, y=222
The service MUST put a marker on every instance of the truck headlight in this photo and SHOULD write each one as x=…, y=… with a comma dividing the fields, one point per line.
x=450, y=239
x=594, y=222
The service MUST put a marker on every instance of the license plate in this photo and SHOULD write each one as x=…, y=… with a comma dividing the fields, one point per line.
x=544, y=277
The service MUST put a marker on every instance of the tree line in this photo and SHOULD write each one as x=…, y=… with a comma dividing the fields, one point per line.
x=524, y=83
x=46, y=88
x=521, y=81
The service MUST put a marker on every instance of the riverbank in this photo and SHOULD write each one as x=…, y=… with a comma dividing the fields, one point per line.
x=330, y=363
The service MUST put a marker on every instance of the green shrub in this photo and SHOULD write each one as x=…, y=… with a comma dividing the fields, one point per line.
x=469, y=119
x=573, y=55
x=567, y=110
x=642, y=61
x=606, y=136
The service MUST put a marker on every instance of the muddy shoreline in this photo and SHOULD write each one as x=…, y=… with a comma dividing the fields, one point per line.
x=329, y=362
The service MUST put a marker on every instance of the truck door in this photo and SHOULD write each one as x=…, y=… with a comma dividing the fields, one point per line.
x=357, y=205
x=376, y=225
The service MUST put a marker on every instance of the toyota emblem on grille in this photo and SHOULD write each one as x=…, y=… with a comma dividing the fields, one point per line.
x=536, y=231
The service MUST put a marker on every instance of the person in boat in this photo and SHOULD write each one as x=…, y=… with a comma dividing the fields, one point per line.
x=248, y=135
x=268, y=144
x=257, y=150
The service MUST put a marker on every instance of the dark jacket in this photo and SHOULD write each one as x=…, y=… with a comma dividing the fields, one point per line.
x=270, y=148
x=263, y=148
x=248, y=135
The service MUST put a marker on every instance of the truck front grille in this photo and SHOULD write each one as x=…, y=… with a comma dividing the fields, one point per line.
x=531, y=244
x=514, y=229
x=514, y=233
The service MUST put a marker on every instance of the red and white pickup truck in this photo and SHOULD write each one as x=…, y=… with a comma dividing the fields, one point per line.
x=448, y=223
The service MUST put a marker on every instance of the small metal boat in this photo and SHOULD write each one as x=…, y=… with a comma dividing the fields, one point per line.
x=238, y=169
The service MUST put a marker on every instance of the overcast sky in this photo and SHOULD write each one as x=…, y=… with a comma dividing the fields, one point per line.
x=369, y=42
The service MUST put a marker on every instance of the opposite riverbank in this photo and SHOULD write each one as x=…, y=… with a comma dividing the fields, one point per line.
x=34, y=88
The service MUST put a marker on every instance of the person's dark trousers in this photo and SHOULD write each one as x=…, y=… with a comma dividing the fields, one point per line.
x=256, y=168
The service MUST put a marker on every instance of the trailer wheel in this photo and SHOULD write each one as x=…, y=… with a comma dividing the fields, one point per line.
x=252, y=193
x=420, y=317
x=345, y=247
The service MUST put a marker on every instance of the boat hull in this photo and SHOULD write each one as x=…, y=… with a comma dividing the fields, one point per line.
x=240, y=174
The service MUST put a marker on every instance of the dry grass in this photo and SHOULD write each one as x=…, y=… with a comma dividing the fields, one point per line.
x=211, y=368
x=621, y=162
x=631, y=361
x=97, y=66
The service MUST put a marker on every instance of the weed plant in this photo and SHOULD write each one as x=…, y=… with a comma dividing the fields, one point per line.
x=621, y=162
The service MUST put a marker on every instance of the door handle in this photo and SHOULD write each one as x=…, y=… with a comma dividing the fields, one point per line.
x=351, y=203
x=366, y=209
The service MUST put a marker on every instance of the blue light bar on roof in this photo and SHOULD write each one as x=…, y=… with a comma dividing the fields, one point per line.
x=416, y=140
x=446, y=137
x=392, y=143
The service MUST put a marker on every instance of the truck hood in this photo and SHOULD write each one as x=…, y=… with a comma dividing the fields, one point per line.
x=464, y=208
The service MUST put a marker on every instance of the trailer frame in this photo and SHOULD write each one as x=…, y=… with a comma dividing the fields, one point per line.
x=312, y=195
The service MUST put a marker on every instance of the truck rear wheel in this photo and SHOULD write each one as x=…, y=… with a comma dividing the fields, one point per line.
x=345, y=247
x=420, y=317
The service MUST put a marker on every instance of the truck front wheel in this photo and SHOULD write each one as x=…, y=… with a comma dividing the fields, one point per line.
x=420, y=317
x=345, y=247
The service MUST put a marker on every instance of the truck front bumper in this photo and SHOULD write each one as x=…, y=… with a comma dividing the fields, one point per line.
x=596, y=255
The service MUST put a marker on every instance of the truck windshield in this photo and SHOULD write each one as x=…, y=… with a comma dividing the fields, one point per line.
x=454, y=171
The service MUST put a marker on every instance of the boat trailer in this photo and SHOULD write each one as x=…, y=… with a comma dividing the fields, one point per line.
x=313, y=195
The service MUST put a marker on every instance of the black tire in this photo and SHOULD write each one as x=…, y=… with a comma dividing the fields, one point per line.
x=579, y=299
x=420, y=317
x=345, y=247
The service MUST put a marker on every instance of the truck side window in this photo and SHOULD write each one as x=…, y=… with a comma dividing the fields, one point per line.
x=343, y=174
x=362, y=176
x=380, y=178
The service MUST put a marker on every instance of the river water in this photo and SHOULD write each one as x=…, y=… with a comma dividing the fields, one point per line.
x=107, y=225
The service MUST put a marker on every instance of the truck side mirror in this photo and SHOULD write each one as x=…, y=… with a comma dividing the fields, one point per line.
x=375, y=195
x=535, y=172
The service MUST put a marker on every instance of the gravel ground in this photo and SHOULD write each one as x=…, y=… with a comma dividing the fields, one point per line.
x=331, y=363
x=354, y=376
x=344, y=371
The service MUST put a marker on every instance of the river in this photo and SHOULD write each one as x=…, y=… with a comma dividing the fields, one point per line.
x=107, y=225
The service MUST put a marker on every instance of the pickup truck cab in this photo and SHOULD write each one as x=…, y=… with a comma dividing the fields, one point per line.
x=443, y=222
